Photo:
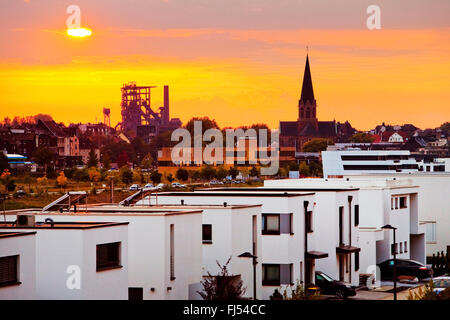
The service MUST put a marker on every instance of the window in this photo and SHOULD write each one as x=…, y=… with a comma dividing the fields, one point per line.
x=403, y=201
x=356, y=261
x=172, y=252
x=396, y=203
x=341, y=225
x=286, y=223
x=401, y=247
x=271, y=274
x=108, y=256
x=356, y=215
x=207, y=233
x=135, y=294
x=392, y=203
x=430, y=232
x=309, y=221
x=394, y=248
x=9, y=270
x=406, y=246
x=270, y=224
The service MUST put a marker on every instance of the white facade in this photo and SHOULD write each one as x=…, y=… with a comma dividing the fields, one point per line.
x=22, y=246
x=433, y=205
x=151, y=249
x=286, y=249
x=341, y=162
x=66, y=255
x=381, y=202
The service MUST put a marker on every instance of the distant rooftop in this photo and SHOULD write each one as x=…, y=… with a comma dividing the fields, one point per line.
x=15, y=234
x=62, y=225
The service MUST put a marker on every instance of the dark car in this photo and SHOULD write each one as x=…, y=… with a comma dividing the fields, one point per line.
x=405, y=267
x=328, y=285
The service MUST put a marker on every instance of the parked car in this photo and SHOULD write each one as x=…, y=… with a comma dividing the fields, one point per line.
x=149, y=186
x=405, y=267
x=134, y=187
x=328, y=285
x=441, y=283
x=178, y=185
x=160, y=186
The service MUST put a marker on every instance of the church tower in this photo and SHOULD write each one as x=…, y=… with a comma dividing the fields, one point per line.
x=307, y=103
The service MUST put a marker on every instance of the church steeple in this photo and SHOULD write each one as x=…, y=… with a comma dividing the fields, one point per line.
x=307, y=88
x=307, y=102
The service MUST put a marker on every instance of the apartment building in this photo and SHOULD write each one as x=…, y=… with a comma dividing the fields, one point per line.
x=381, y=202
x=289, y=251
x=17, y=265
x=74, y=260
x=164, y=248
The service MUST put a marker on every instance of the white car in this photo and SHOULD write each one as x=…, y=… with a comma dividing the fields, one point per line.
x=441, y=283
x=160, y=186
x=178, y=185
x=149, y=186
x=134, y=187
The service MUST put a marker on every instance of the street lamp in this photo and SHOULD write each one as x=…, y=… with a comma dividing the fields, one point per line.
x=387, y=227
x=249, y=255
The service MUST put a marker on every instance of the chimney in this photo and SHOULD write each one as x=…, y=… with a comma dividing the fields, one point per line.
x=166, y=115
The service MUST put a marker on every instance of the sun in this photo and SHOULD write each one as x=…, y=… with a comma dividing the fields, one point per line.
x=79, y=32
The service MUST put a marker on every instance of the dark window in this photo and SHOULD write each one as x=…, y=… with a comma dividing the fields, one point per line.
x=356, y=215
x=403, y=201
x=341, y=225
x=207, y=233
x=270, y=224
x=135, y=293
x=309, y=221
x=286, y=274
x=394, y=248
x=172, y=252
x=356, y=261
x=8, y=270
x=108, y=256
x=271, y=274
x=286, y=223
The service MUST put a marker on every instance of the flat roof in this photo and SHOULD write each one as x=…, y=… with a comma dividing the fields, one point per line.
x=199, y=205
x=281, y=193
x=62, y=225
x=281, y=189
x=15, y=234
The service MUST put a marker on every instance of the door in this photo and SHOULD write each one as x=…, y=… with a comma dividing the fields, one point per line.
x=135, y=293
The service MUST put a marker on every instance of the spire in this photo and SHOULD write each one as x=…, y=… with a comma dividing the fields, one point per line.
x=307, y=88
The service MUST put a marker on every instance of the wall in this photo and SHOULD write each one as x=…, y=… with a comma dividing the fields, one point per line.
x=25, y=247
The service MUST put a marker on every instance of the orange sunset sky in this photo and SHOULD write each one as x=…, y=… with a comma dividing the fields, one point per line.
x=239, y=62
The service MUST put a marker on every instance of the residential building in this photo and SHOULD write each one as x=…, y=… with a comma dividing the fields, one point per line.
x=76, y=260
x=17, y=265
x=164, y=248
x=288, y=224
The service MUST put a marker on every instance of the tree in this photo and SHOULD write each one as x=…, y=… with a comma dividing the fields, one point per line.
x=92, y=159
x=106, y=162
x=122, y=159
x=233, y=172
x=254, y=172
x=62, y=180
x=94, y=175
x=428, y=293
x=126, y=175
x=207, y=173
x=170, y=178
x=3, y=162
x=182, y=174
x=221, y=173
x=43, y=156
x=293, y=166
x=317, y=145
x=222, y=286
x=362, y=137
x=304, y=169
x=195, y=175
x=300, y=293
x=147, y=162
x=155, y=176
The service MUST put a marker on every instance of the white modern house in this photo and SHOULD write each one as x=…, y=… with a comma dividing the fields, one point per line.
x=288, y=225
x=381, y=202
x=164, y=248
x=17, y=265
x=337, y=163
x=433, y=204
x=75, y=260
x=228, y=231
